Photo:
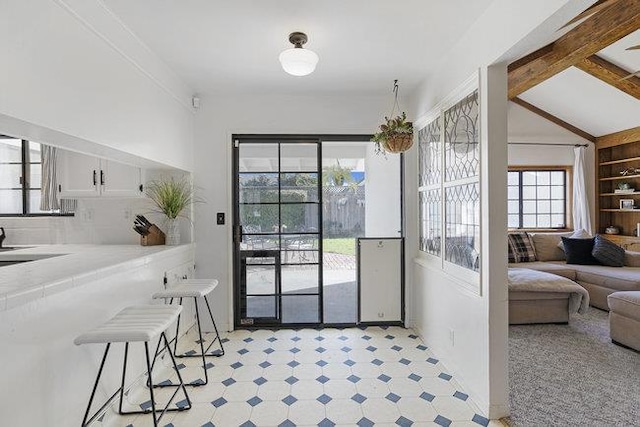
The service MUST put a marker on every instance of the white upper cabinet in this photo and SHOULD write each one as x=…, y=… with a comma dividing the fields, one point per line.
x=82, y=176
x=120, y=180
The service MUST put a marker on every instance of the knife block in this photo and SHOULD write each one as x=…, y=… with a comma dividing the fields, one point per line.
x=155, y=237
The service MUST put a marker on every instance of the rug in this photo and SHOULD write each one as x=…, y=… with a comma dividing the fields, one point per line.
x=572, y=375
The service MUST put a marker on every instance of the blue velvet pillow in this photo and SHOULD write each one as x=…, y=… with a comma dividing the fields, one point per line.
x=578, y=251
x=607, y=252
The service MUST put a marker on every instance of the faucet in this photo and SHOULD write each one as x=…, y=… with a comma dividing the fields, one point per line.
x=2, y=236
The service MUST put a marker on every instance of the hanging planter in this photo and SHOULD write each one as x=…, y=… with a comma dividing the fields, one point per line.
x=396, y=134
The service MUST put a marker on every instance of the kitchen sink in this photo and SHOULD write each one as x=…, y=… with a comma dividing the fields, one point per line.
x=17, y=258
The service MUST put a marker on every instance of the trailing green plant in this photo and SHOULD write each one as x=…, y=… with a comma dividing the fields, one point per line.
x=171, y=196
x=392, y=128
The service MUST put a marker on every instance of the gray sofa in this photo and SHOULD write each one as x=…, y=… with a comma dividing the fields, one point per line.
x=600, y=281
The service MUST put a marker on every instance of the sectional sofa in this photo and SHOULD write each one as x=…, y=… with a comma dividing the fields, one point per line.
x=600, y=281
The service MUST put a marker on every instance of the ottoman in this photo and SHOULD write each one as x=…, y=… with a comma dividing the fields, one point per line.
x=624, y=318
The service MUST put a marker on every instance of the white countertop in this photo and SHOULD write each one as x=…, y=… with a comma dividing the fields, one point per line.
x=76, y=265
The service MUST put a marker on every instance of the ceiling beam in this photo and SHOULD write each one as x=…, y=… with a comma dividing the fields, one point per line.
x=554, y=119
x=607, y=26
x=622, y=137
x=611, y=74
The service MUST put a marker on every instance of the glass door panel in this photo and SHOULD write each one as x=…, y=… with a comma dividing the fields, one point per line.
x=277, y=233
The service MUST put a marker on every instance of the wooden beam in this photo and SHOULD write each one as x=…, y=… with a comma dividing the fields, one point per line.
x=609, y=25
x=622, y=137
x=611, y=74
x=595, y=8
x=554, y=119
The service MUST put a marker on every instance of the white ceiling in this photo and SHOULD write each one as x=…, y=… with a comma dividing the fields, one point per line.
x=586, y=102
x=617, y=53
x=233, y=46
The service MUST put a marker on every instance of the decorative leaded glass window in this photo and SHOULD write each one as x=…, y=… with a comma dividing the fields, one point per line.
x=449, y=184
x=430, y=178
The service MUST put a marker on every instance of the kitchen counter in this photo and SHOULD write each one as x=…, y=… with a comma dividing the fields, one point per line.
x=76, y=265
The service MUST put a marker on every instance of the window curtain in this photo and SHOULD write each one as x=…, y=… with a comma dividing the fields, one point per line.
x=581, y=215
x=49, y=191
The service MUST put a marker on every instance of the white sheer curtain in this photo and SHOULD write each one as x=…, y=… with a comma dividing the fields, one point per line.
x=581, y=216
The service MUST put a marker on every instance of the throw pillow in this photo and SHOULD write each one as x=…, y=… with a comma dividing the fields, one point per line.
x=546, y=245
x=521, y=245
x=607, y=252
x=577, y=234
x=578, y=251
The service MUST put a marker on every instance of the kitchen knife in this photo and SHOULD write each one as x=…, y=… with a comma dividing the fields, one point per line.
x=141, y=231
x=144, y=220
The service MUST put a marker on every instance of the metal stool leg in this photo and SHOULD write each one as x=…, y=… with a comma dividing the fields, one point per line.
x=217, y=337
x=93, y=392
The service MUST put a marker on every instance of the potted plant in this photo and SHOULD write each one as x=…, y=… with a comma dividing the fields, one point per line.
x=395, y=135
x=171, y=197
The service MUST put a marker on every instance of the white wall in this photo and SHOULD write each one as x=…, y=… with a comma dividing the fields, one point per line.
x=382, y=194
x=73, y=76
x=218, y=119
x=479, y=355
x=529, y=128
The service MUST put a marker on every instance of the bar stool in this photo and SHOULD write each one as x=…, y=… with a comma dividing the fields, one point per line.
x=192, y=288
x=134, y=324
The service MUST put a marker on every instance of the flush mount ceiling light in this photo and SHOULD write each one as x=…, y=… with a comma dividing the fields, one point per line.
x=298, y=61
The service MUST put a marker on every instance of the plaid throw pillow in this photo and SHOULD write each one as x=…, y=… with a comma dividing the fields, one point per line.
x=521, y=246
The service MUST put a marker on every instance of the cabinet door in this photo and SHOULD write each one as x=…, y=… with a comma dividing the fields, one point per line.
x=119, y=180
x=78, y=175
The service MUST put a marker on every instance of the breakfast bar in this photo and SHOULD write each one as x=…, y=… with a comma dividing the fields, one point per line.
x=51, y=294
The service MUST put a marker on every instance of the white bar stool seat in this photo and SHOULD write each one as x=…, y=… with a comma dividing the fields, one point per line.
x=193, y=288
x=134, y=324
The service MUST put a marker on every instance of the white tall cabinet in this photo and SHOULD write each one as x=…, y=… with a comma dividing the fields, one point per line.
x=82, y=176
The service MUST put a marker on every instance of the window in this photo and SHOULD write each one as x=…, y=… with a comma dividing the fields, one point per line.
x=537, y=197
x=20, y=178
x=449, y=184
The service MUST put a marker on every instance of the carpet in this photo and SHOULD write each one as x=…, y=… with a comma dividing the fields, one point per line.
x=572, y=375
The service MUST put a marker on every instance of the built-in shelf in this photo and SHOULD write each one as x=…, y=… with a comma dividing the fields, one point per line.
x=620, y=210
x=615, y=162
x=617, y=178
x=620, y=194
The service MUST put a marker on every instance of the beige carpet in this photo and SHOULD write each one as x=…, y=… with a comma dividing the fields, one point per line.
x=572, y=375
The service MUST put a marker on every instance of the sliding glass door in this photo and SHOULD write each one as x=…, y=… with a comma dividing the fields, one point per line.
x=277, y=234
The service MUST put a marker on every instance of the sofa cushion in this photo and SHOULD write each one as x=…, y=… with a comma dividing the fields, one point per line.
x=578, y=251
x=631, y=259
x=625, y=303
x=521, y=246
x=546, y=245
x=607, y=252
x=620, y=279
x=559, y=268
x=577, y=234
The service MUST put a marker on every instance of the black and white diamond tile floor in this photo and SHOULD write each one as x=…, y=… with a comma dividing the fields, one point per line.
x=307, y=377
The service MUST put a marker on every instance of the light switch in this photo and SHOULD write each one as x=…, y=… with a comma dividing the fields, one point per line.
x=220, y=218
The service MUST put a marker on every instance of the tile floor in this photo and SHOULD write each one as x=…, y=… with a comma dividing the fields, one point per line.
x=329, y=377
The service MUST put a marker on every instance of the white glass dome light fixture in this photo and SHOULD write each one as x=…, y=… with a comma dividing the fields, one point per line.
x=298, y=61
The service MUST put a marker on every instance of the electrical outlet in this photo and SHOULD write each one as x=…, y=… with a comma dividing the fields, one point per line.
x=381, y=314
x=220, y=218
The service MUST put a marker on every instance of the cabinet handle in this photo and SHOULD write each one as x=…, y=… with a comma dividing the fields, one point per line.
x=101, y=177
x=95, y=180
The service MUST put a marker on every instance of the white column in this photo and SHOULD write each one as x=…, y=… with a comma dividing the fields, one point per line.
x=494, y=161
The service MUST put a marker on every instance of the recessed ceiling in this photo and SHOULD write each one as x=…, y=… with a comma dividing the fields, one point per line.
x=233, y=46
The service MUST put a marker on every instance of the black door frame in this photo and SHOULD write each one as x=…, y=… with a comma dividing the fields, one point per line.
x=236, y=275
